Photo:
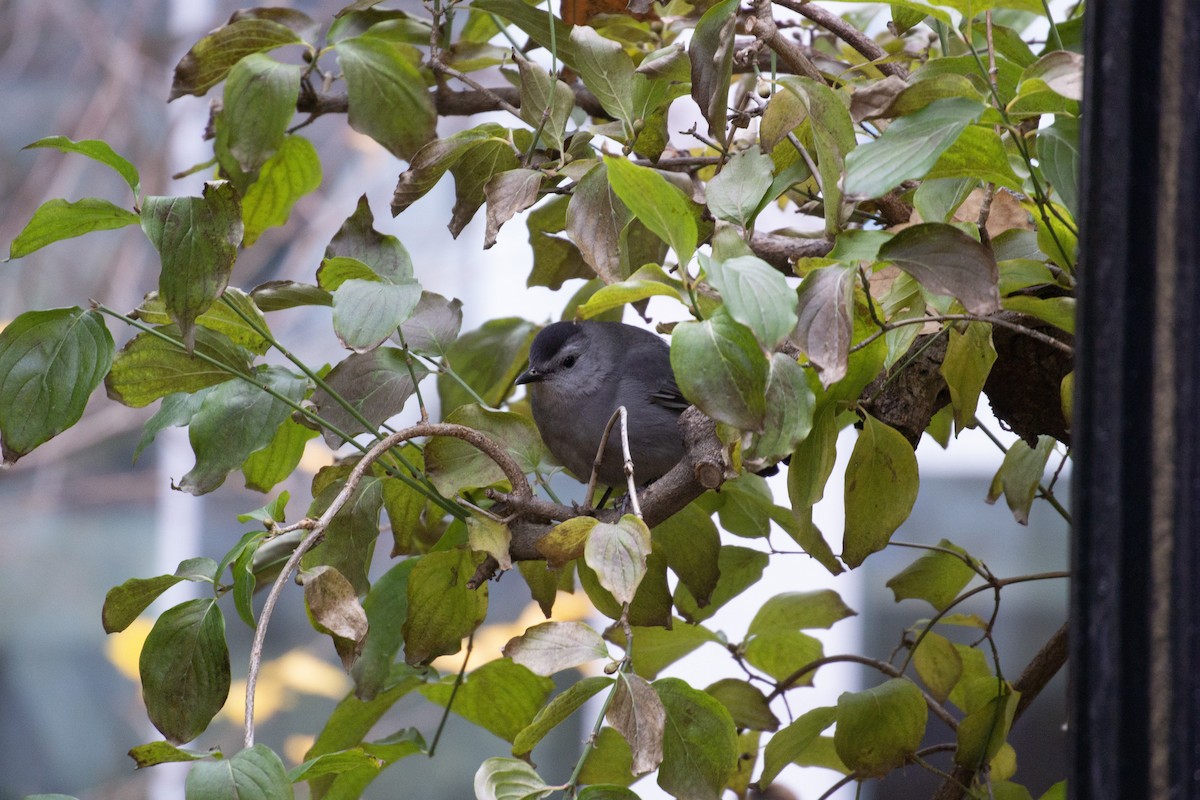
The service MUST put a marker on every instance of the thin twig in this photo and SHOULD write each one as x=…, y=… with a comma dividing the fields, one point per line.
x=994, y=320
x=458, y=681
x=882, y=666
x=494, y=451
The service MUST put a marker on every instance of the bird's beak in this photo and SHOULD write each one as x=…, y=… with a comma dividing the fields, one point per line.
x=530, y=375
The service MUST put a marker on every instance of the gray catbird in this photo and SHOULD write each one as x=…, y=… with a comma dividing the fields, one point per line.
x=580, y=372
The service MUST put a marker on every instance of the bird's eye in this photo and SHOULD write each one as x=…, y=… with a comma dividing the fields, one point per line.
x=568, y=362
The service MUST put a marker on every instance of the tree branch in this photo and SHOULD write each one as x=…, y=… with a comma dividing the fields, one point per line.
x=763, y=26
x=842, y=29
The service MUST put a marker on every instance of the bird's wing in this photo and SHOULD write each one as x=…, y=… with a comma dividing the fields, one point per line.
x=668, y=396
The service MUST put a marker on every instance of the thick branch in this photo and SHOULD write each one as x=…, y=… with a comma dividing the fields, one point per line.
x=781, y=251
x=451, y=104
x=763, y=26
x=846, y=32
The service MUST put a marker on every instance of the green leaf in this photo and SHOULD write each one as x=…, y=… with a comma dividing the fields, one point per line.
x=376, y=384
x=699, y=742
x=737, y=191
x=387, y=608
x=275, y=463
x=909, y=147
x=491, y=536
x=651, y=604
x=825, y=321
x=387, y=95
x=95, y=149
x=234, y=420
x=610, y=760
x=711, y=55
x=660, y=205
x=533, y=21
x=253, y=774
x=595, y=219
x=149, y=367
x=478, y=165
x=968, y=361
x=880, y=728
x=433, y=325
x=798, y=611
x=947, y=261
x=984, y=730
x=757, y=296
x=509, y=779
x=59, y=219
x=551, y=647
x=789, y=416
x=501, y=696
x=936, y=577
x=442, y=610
x=556, y=711
x=333, y=764
x=977, y=154
x=936, y=199
x=1060, y=71
x=453, y=464
x=786, y=745
x=124, y=603
x=382, y=253
x=1019, y=476
x=881, y=487
x=691, y=543
x=555, y=259
x=938, y=664
x=834, y=139
x=279, y=295
x=227, y=317
x=779, y=653
x=607, y=70
x=720, y=367
x=260, y=101
x=210, y=59
x=197, y=239
x=154, y=753
x=349, y=541
x=746, y=704
x=618, y=553
x=184, y=669
x=739, y=568
x=1060, y=159
x=658, y=648
x=606, y=792
x=50, y=362
x=488, y=359
x=366, y=313
x=292, y=172
x=543, y=96
x=509, y=193
x=432, y=161
x=648, y=281
x=1058, y=311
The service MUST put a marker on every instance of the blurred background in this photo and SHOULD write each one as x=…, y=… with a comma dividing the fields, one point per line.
x=79, y=516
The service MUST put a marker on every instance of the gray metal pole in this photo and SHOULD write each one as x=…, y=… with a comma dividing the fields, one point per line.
x=1135, y=646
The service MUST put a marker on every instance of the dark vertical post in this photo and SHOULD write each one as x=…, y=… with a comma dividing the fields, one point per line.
x=1135, y=645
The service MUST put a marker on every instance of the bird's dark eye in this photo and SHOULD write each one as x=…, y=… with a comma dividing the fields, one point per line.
x=568, y=362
